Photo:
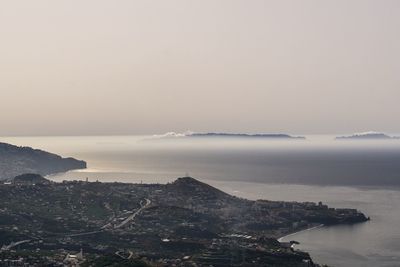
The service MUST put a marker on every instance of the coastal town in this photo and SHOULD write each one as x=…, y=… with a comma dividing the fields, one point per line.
x=183, y=223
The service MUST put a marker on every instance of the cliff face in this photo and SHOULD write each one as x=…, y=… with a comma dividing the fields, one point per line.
x=16, y=160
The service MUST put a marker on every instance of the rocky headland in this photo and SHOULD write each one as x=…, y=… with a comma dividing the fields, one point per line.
x=16, y=160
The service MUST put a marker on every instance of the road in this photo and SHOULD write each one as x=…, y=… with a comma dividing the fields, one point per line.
x=14, y=244
x=122, y=224
x=87, y=233
x=131, y=217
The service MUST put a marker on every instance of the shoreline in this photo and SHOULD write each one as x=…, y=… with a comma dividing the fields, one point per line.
x=307, y=229
x=134, y=177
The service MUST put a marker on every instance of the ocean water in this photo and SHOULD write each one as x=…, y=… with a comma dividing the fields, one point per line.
x=353, y=174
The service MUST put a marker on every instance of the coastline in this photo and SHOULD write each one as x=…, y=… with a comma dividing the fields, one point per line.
x=304, y=230
x=186, y=184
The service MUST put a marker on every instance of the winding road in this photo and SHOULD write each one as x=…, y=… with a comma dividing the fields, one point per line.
x=122, y=224
x=131, y=217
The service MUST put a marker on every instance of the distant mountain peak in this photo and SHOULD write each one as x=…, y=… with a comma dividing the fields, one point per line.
x=189, y=181
x=188, y=185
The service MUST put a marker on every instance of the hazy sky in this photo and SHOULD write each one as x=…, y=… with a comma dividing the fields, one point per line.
x=133, y=67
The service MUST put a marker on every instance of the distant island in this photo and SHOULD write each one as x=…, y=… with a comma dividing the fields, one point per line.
x=189, y=134
x=183, y=223
x=368, y=136
x=16, y=160
x=240, y=135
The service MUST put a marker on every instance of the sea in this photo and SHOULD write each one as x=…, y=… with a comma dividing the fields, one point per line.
x=361, y=174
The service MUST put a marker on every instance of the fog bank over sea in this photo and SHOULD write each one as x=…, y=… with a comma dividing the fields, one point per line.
x=317, y=160
x=361, y=174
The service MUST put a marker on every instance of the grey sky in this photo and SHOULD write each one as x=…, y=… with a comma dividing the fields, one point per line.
x=132, y=67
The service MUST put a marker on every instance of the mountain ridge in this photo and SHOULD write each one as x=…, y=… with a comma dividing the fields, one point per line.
x=17, y=160
x=189, y=134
